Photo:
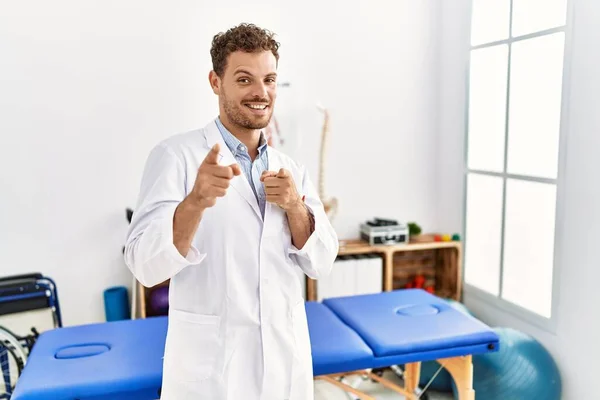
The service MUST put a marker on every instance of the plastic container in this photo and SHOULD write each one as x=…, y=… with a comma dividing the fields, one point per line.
x=116, y=303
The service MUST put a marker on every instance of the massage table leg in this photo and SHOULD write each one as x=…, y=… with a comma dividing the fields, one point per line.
x=461, y=370
x=412, y=374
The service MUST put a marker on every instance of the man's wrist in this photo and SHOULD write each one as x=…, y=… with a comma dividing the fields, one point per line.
x=297, y=208
x=192, y=204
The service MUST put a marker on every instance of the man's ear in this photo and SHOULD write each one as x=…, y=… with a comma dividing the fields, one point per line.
x=215, y=81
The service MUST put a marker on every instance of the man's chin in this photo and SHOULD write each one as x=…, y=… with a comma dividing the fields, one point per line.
x=258, y=126
x=258, y=122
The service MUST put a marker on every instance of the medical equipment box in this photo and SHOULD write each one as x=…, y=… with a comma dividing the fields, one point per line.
x=387, y=232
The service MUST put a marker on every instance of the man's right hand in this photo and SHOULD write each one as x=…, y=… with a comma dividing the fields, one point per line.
x=213, y=179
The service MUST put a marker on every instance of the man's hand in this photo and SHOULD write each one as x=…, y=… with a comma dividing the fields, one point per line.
x=213, y=179
x=211, y=182
x=281, y=189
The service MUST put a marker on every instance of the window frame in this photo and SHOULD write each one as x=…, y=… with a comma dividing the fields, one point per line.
x=497, y=301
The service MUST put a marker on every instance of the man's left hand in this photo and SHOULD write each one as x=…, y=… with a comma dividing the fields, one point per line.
x=280, y=189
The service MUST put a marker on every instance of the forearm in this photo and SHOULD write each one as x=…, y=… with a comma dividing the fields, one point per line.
x=301, y=223
x=185, y=224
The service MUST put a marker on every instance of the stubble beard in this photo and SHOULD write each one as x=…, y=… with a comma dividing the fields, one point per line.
x=236, y=115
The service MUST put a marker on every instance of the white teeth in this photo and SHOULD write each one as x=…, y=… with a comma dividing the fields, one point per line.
x=257, y=106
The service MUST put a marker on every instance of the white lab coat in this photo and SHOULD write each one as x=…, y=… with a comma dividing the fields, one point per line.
x=237, y=322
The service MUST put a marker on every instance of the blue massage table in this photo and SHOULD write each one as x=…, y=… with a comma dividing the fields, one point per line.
x=349, y=335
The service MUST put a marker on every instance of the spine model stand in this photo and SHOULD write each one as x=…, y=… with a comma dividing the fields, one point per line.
x=330, y=204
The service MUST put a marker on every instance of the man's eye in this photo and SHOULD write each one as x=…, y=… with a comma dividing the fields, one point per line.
x=244, y=80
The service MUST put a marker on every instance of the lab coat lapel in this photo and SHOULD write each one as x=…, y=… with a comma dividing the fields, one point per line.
x=239, y=183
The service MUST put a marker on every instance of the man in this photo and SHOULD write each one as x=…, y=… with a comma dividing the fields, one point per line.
x=229, y=220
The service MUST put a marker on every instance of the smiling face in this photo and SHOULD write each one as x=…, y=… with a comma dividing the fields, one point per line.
x=247, y=90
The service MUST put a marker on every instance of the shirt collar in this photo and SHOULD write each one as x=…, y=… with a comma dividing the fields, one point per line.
x=235, y=145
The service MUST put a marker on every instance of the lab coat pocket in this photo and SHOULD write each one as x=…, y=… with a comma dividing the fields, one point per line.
x=194, y=343
x=301, y=334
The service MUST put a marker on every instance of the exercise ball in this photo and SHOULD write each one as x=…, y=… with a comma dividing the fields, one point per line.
x=159, y=300
x=522, y=369
x=442, y=382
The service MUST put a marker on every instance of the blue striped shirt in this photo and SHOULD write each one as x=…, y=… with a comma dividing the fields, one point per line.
x=252, y=170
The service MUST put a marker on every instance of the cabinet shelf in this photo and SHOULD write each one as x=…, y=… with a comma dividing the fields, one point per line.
x=438, y=262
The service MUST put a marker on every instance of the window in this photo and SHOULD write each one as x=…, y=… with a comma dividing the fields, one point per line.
x=512, y=150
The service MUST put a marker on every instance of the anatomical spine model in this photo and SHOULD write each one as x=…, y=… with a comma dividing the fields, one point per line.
x=330, y=204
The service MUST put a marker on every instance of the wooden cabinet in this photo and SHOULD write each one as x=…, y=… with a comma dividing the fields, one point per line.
x=438, y=262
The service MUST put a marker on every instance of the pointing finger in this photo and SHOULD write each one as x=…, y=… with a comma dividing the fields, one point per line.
x=283, y=173
x=213, y=155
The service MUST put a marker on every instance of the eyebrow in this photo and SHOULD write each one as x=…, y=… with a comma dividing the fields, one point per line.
x=243, y=71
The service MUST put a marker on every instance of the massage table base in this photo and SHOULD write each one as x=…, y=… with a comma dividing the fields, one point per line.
x=460, y=368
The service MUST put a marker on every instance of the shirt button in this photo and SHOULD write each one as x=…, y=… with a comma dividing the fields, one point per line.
x=243, y=148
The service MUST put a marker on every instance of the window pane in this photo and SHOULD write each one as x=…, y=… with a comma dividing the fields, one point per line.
x=490, y=21
x=535, y=105
x=483, y=232
x=487, y=108
x=529, y=245
x=537, y=15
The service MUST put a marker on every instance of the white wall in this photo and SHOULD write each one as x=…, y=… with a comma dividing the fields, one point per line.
x=574, y=343
x=87, y=88
x=374, y=66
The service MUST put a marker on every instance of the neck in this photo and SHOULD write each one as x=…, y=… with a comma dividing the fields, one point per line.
x=249, y=137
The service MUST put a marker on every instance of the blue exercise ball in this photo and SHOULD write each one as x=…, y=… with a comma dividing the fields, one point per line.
x=522, y=369
x=442, y=381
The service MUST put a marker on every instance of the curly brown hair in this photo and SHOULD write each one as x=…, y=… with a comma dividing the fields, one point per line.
x=245, y=37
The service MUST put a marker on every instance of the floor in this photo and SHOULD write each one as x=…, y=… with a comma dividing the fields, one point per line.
x=327, y=391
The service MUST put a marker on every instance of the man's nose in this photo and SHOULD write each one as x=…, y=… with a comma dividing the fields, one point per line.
x=260, y=90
